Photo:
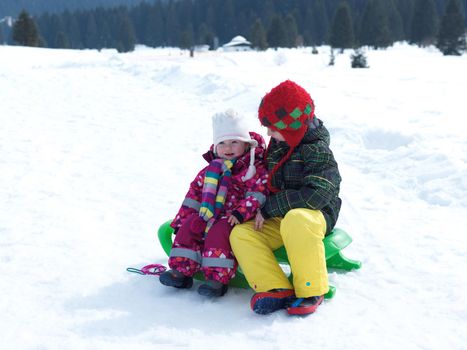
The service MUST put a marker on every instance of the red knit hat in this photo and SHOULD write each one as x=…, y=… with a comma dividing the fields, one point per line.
x=287, y=109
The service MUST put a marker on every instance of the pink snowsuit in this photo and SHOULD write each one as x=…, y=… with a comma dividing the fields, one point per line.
x=212, y=254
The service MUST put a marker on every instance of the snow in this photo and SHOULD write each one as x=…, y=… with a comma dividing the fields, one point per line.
x=98, y=148
x=236, y=41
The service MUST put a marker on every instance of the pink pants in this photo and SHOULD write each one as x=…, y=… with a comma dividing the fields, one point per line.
x=191, y=252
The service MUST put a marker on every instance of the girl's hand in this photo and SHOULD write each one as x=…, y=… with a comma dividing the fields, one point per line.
x=259, y=221
x=232, y=220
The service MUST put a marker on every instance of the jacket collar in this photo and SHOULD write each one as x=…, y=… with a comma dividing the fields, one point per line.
x=243, y=161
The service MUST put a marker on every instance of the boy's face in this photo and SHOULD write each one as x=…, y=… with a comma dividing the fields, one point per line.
x=230, y=149
x=275, y=135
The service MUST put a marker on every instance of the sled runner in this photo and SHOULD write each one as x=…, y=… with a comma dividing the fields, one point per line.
x=337, y=240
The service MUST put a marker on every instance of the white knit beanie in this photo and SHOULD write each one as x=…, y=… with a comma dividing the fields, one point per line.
x=229, y=125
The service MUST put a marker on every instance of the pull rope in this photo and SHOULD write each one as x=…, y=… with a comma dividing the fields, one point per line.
x=152, y=269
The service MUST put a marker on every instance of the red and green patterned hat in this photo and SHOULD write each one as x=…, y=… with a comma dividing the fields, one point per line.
x=287, y=109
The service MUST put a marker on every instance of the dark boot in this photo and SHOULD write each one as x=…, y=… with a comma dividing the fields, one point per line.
x=174, y=278
x=264, y=303
x=304, y=306
x=212, y=289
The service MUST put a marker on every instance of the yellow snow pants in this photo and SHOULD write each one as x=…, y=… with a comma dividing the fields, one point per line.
x=301, y=232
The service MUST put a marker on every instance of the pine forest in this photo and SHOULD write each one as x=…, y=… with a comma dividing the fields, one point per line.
x=266, y=24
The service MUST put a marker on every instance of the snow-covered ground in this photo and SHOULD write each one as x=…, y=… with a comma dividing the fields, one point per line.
x=97, y=150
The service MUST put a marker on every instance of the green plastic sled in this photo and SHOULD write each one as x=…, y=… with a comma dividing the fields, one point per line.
x=337, y=240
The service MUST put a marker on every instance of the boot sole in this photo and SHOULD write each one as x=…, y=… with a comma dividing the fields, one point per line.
x=211, y=292
x=166, y=280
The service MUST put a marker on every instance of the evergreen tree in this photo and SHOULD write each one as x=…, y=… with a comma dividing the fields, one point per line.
x=268, y=12
x=25, y=31
x=55, y=26
x=358, y=59
x=209, y=16
x=307, y=30
x=298, y=15
x=243, y=19
x=44, y=25
x=73, y=30
x=205, y=36
x=424, y=23
x=319, y=22
x=258, y=35
x=291, y=30
x=451, y=39
x=103, y=28
x=90, y=33
x=342, y=36
x=440, y=5
x=374, y=30
x=126, y=38
x=277, y=33
x=1, y=35
x=228, y=27
x=186, y=35
x=405, y=9
x=153, y=26
x=105, y=34
x=396, y=28
x=186, y=39
x=172, y=25
x=49, y=26
x=61, y=40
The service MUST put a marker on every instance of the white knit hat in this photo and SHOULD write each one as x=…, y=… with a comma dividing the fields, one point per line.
x=229, y=125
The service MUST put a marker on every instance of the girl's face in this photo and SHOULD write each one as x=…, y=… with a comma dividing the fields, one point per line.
x=230, y=149
x=275, y=135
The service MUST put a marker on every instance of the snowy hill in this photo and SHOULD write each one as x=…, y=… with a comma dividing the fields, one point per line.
x=97, y=150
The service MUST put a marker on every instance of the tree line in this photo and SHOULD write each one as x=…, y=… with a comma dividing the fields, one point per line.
x=35, y=7
x=265, y=23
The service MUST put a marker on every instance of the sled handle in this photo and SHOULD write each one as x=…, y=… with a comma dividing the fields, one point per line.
x=165, y=234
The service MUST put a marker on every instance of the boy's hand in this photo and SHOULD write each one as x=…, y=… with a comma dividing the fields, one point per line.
x=259, y=221
x=232, y=220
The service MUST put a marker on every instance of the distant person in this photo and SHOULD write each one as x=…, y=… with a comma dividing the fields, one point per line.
x=302, y=208
x=227, y=192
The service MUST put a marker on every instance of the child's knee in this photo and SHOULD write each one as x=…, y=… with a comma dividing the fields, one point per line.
x=240, y=236
x=235, y=235
x=307, y=221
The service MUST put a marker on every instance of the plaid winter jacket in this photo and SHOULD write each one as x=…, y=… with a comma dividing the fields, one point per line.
x=308, y=179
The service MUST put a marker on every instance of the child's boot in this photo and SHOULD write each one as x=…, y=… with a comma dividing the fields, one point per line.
x=174, y=278
x=264, y=303
x=212, y=289
x=305, y=306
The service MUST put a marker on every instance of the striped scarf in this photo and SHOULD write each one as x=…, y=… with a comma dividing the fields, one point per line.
x=216, y=183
